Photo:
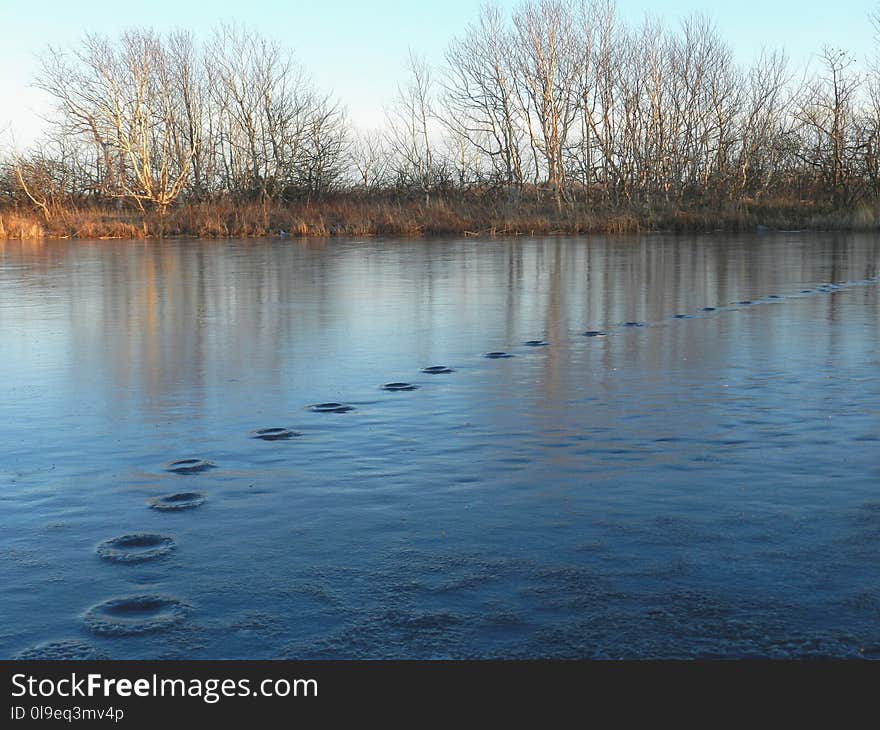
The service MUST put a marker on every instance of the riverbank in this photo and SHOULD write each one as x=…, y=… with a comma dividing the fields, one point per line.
x=351, y=216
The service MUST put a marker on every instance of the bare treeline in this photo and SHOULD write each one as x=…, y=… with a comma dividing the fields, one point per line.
x=148, y=118
x=562, y=94
x=559, y=100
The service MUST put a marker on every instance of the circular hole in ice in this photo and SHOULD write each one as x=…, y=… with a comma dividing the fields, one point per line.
x=137, y=614
x=188, y=466
x=135, y=548
x=178, y=501
x=399, y=386
x=274, y=434
x=330, y=408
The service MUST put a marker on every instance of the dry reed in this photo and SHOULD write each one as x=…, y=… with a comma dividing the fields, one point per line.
x=356, y=216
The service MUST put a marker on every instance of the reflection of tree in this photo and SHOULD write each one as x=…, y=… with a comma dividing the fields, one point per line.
x=168, y=322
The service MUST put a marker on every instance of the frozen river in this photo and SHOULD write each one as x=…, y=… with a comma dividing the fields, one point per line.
x=702, y=481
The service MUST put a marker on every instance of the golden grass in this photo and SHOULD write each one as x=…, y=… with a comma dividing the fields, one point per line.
x=464, y=215
x=20, y=225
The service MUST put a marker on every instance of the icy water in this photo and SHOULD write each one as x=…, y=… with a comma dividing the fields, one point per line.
x=706, y=484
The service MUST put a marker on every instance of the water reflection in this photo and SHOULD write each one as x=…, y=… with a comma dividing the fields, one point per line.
x=169, y=319
x=509, y=504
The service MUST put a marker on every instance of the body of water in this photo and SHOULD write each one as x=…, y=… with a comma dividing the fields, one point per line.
x=697, y=476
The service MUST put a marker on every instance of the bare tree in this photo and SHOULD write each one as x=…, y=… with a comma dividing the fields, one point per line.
x=324, y=150
x=409, y=136
x=763, y=124
x=125, y=99
x=479, y=95
x=547, y=70
x=190, y=91
x=273, y=132
x=827, y=115
x=369, y=159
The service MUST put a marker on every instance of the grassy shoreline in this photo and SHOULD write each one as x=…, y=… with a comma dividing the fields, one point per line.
x=352, y=217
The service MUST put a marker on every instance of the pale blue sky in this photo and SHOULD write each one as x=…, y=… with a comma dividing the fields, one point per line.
x=357, y=49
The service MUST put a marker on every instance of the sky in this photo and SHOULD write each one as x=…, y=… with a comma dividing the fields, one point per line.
x=357, y=49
